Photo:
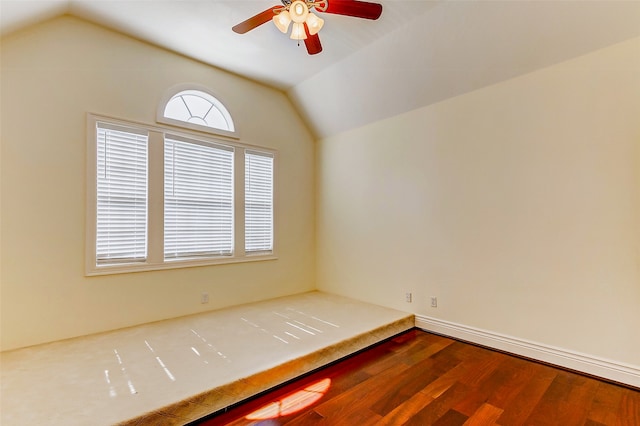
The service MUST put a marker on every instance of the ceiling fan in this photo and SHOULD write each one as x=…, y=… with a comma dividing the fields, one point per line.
x=305, y=23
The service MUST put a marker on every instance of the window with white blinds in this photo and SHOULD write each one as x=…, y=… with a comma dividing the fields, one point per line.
x=158, y=199
x=258, y=184
x=198, y=200
x=121, y=220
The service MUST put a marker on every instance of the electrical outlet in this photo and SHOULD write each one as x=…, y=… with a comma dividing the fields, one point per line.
x=408, y=297
x=434, y=302
x=204, y=298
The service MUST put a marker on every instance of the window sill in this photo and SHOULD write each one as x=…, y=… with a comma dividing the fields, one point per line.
x=176, y=264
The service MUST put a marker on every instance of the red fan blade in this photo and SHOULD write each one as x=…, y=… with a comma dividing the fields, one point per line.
x=256, y=21
x=358, y=9
x=312, y=42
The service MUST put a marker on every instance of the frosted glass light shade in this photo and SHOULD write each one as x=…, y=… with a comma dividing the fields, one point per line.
x=298, y=11
x=282, y=21
x=297, y=32
x=314, y=23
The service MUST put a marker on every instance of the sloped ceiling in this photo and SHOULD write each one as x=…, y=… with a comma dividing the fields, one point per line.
x=456, y=47
x=417, y=53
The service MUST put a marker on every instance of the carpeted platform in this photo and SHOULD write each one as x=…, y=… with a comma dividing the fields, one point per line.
x=179, y=370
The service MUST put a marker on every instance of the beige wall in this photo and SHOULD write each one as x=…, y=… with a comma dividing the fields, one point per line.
x=52, y=75
x=517, y=205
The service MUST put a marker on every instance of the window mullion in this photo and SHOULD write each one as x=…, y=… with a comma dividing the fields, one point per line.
x=156, y=198
x=239, y=203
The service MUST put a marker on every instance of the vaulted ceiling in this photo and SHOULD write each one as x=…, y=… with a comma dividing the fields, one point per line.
x=418, y=53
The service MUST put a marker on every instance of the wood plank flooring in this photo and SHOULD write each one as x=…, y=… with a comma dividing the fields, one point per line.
x=418, y=378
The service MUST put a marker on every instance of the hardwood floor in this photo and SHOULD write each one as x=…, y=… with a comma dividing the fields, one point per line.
x=418, y=378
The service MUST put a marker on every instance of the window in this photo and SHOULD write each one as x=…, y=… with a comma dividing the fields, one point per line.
x=121, y=220
x=195, y=108
x=258, y=183
x=198, y=200
x=160, y=199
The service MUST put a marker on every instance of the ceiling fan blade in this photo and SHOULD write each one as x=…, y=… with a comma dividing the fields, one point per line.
x=256, y=21
x=358, y=9
x=312, y=42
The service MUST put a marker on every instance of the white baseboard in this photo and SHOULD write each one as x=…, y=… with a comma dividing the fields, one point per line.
x=588, y=364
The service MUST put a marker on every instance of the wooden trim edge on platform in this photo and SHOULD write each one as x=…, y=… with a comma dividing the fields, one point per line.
x=588, y=364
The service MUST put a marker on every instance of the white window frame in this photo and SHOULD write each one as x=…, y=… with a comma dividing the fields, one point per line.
x=169, y=94
x=155, y=210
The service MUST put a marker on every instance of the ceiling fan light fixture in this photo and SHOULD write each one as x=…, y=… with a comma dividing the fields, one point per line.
x=314, y=23
x=307, y=25
x=298, y=11
x=298, y=32
x=282, y=21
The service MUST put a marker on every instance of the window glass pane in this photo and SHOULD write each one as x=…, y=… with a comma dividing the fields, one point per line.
x=258, y=202
x=121, y=222
x=198, y=200
x=198, y=105
x=177, y=110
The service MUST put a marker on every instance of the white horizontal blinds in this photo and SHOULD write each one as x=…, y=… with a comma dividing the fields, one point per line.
x=258, y=202
x=121, y=220
x=198, y=200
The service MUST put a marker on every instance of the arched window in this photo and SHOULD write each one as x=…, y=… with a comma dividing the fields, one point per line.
x=196, y=108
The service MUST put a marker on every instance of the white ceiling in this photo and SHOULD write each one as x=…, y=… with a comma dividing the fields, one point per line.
x=419, y=52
